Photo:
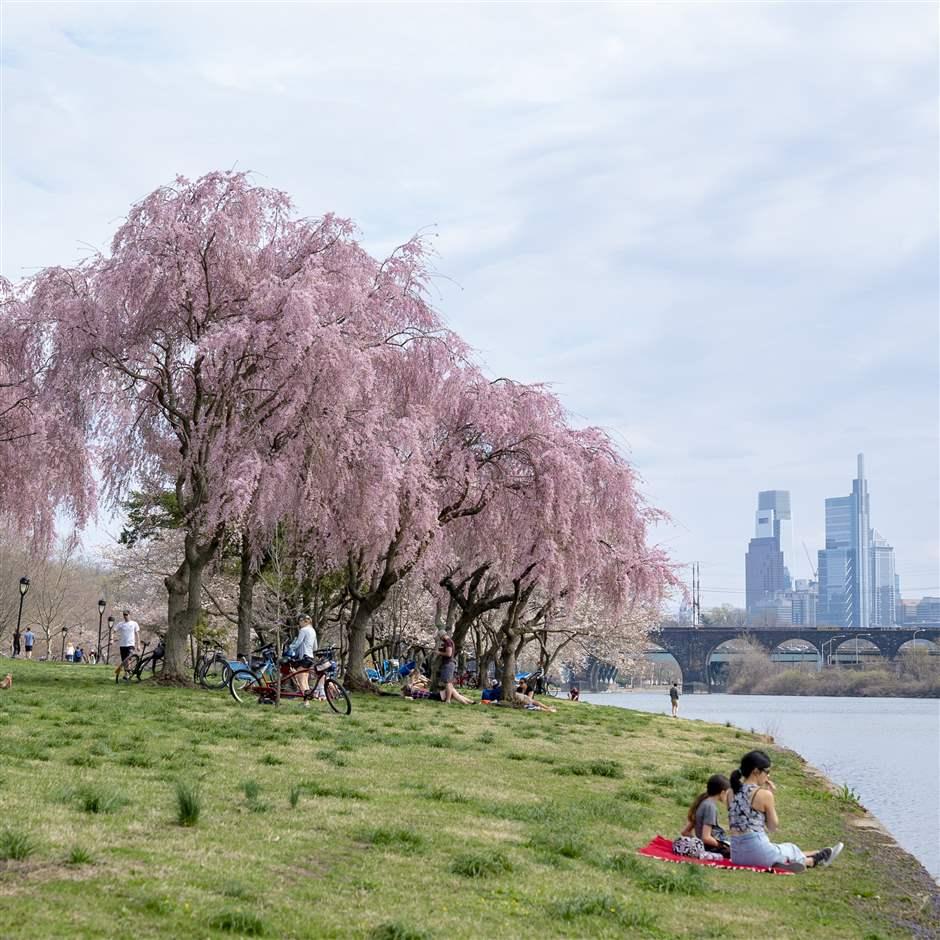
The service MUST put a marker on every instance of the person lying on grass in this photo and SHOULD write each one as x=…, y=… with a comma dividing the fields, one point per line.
x=753, y=813
x=703, y=816
x=415, y=692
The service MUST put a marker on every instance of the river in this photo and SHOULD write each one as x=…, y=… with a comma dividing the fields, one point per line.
x=877, y=746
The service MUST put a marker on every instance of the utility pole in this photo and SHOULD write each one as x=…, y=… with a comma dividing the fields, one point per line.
x=696, y=594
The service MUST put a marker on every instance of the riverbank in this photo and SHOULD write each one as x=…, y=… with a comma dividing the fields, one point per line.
x=405, y=820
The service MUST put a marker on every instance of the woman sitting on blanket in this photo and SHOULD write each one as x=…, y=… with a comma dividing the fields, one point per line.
x=703, y=816
x=753, y=813
x=525, y=697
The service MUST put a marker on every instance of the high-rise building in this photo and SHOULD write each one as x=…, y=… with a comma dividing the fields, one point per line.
x=884, y=596
x=845, y=592
x=765, y=570
x=803, y=603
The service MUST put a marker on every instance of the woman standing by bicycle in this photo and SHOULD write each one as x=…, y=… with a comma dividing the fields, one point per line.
x=303, y=649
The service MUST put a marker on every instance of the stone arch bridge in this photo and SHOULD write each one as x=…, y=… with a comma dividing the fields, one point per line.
x=692, y=646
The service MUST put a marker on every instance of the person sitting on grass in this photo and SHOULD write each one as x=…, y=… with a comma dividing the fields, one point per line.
x=493, y=694
x=753, y=813
x=574, y=693
x=525, y=697
x=703, y=816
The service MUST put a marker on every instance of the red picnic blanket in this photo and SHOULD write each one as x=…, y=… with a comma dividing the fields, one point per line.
x=661, y=848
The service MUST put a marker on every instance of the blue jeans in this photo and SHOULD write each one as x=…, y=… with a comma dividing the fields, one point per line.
x=754, y=848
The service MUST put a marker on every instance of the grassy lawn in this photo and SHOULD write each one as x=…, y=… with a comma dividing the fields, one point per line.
x=404, y=820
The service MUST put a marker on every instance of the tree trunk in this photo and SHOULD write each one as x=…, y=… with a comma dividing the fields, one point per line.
x=507, y=656
x=246, y=599
x=355, y=676
x=177, y=630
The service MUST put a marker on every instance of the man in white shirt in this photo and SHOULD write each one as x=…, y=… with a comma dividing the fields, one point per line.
x=128, y=636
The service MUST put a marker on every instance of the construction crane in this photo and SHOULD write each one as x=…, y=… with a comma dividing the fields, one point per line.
x=812, y=567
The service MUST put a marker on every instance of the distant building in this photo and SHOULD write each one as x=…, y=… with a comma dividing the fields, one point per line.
x=803, y=603
x=765, y=570
x=884, y=583
x=845, y=595
x=774, y=611
x=928, y=610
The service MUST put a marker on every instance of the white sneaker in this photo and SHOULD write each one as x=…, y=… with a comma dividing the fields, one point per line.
x=828, y=856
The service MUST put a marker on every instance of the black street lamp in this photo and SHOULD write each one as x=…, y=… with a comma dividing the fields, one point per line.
x=110, y=628
x=24, y=587
x=64, y=631
x=101, y=606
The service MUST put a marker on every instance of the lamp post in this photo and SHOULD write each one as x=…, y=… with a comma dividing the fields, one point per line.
x=24, y=587
x=110, y=629
x=857, y=635
x=828, y=662
x=64, y=631
x=101, y=606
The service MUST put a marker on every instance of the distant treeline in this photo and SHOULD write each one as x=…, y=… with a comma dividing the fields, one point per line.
x=914, y=675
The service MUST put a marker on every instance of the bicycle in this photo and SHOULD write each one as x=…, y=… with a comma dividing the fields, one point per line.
x=247, y=681
x=148, y=661
x=213, y=669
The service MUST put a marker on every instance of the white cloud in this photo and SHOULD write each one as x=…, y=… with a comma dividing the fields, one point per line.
x=712, y=226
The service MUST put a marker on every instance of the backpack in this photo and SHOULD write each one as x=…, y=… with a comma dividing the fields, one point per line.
x=690, y=846
x=292, y=652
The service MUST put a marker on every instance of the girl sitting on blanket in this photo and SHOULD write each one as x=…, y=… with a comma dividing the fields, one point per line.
x=753, y=813
x=703, y=816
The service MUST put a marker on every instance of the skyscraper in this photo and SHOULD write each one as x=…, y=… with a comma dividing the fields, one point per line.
x=845, y=593
x=884, y=593
x=765, y=570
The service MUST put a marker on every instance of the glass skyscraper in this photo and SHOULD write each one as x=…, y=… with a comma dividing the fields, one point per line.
x=845, y=564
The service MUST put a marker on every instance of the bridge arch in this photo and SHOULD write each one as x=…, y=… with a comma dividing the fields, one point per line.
x=921, y=643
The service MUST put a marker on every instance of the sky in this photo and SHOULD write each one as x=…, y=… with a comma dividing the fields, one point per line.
x=712, y=227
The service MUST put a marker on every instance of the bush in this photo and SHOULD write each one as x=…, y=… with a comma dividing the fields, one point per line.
x=188, y=804
x=238, y=922
x=79, y=856
x=93, y=799
x=479, y=865
x=16, y=844
x=398, y=931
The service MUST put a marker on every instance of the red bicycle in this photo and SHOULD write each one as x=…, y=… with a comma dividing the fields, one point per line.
x=260, y=682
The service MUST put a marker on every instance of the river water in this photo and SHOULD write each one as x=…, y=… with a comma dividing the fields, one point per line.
x=878, y=746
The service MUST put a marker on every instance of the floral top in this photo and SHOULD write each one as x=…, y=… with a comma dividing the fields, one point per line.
x=742, y=817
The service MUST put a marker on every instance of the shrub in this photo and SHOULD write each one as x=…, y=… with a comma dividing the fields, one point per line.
x=79, y=856
x=401, y=840
x=251, y=789
x=398, y=931
x=188, y=804
x=93, y=799
x=240, y=922
x=293, y=795
x=479, y=865
x=16, y=844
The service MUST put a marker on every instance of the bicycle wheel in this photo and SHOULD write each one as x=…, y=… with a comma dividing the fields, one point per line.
x=215, y=674
x=553, y=690
x=243, y=684
x=337, y=697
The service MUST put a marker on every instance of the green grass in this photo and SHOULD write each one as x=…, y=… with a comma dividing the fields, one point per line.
x=179, y=813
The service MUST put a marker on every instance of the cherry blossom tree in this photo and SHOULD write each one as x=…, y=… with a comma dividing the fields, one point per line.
x=44, y=466
x=216, y=329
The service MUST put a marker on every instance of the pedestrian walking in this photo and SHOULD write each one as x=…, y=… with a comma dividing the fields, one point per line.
x=29, y=638
x=128, y=636
x=674, y=699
